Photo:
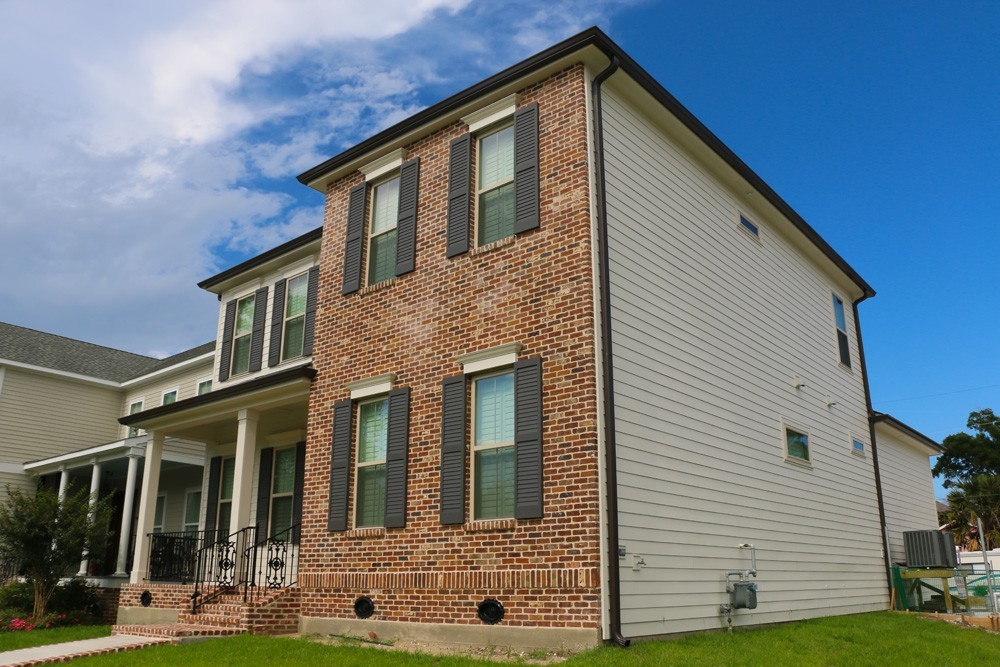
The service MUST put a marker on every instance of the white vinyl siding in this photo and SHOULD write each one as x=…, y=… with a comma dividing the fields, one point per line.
x=707, y=335
x=907, y=488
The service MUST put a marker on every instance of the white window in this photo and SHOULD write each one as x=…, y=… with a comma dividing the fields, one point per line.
x=495, y=186
x=169, y=397
x=282, y=491
x=204, y=386
x=796, y=444
x=293, y=336
x=382, y=231
x=858, y=446
x=159, y=513
x=242, y=333
x=225, y=507
x=493, y=446
x=192, y=510
x=373, y=435
x=134, y=407
x=841, y=323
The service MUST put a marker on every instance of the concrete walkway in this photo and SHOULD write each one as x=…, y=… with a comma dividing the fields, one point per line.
x=41, y=655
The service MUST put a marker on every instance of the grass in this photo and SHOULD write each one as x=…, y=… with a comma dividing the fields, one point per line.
x=883, y=639
x=10, y=641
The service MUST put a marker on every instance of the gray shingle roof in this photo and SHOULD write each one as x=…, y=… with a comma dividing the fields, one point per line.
x=38, y=348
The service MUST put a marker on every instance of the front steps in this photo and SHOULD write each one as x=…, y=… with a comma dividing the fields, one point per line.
x=274, y=613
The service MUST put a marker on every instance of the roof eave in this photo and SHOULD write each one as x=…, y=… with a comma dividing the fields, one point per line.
x=218, y=282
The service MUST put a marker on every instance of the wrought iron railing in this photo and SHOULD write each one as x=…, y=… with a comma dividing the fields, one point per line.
x=271, y=564
x=174, y=556
x=218, y=569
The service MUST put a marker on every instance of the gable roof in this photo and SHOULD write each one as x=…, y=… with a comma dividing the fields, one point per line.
x=37, y=348
x=591, y=38
x=889, y=420
x=261, y=259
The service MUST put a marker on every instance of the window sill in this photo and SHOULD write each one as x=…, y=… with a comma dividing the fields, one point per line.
x=490, y=525
x=798, y=462
x=857, y=453
x=366, y=533
x=377, y=287
x=499, y=243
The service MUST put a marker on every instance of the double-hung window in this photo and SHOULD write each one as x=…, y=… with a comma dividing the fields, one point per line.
x=192, y=510
x=382, y=231
x=242, y=334
x=495, y=186
x=293, y=336
x=159, y=513
x=373, y=433
x=226, y=477
x=134, y=407
x=838, y=313
x=282, y=491
x=493, y=446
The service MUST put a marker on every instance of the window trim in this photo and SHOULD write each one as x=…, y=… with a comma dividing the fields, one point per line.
x=483, y=132
x=788, y=425
x=198, y=383
x=863, y=452
x=285, y=319
x=274, y=495
x=744, y=222
x=373, y=185
x=163, y=519
x=357, y=455
x=837, y=299
x=134, y=431
x=249, y=335
x=473, y=449
x=173, y=390
x=187, y=500
x=220, y=500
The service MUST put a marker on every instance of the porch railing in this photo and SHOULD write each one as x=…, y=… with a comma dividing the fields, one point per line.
x=174, y=556
x=218, y=570
x=271, y=564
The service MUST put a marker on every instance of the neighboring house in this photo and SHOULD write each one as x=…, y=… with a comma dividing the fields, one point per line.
x=907, y=483
x=60, y=400
x=556, y=355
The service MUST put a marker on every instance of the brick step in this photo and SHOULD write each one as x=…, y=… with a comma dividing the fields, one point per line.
x=175, y=630
x=221, y=608
x=211, y=620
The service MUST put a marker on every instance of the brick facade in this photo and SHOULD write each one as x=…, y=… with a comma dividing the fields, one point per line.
x=535, y=289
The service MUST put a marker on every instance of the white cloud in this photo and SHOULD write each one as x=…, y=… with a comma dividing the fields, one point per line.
x=149, y=145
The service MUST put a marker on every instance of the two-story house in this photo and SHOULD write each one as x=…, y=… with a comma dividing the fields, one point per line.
x=562, y=365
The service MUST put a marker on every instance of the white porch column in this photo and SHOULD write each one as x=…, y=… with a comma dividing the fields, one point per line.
x=125, y=534
x=63, y=482
x=95, y=490
x=246, y=447
x=147, y=506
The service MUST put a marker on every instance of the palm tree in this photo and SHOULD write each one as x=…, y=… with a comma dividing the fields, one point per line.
x=977, y=496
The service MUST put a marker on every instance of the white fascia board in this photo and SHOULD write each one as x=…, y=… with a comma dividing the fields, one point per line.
x=78, y=456
x=64, y=374
x=170, y=369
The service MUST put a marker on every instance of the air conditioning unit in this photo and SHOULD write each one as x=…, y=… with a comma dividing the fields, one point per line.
x=929, y=548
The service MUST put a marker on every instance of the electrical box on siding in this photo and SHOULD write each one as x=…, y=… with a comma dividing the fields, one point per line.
x=929, y=548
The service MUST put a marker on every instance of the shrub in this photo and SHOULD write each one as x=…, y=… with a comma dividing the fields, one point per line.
x=75, y=595
x=18, y=596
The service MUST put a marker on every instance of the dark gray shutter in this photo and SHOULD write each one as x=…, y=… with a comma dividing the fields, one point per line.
x=277, y=323
x=257, y=336
x=406, y=221
x=528, y=438
x=453, y=450
x=226, y=354
x=526, y=169
x=396, y=453
x=340, y=457
x=264, y=491
x=300, y=480
x=312, y=297
x=212, y=503
x=355, y=238
x=459, y=185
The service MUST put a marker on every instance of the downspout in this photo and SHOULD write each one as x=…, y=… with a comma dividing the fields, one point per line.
x=610, y=453
x=871, y=435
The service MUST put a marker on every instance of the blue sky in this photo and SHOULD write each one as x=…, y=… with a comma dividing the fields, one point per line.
x=147, y=146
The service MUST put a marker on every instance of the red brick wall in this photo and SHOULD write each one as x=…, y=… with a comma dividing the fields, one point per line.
x=165, y=596
x=535, y=289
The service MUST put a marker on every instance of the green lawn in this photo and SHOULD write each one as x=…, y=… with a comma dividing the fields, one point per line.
x=881, y=639
x=14, y=640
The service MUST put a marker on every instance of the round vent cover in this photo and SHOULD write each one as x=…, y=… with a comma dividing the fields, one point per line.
x=364, y=607
x=490, y=612
x=146, y=599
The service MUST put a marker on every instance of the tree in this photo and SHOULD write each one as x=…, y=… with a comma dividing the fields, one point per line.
x=971, y=498
x=48, y=537
x=966, y=456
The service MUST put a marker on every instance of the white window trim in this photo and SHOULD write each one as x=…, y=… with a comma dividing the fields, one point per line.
x=374, y=386
x=787, y=425
x=478, y=192
x=492, y=113
x=236, y=321
x=187, y=503
x=273, y=495
x=384, y=164
x=198, y=383
x=357, y=463
x=864, y=452
x=219, y=500
x=490, y=358
x=128, y=429
x=370, y=221
x=837, y=329
x=472, y=442
x=175, y=390
x=284, y=320
x=163, y=519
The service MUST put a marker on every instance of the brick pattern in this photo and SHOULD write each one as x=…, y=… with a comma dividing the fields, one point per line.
x=165, y=596
x=107, y=598
x=535, y=289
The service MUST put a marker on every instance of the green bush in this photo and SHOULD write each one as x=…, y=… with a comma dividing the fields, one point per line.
x=17, y=596
x=74, y=597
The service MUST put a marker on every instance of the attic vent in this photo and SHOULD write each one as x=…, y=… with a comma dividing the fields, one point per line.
x=929, y=548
